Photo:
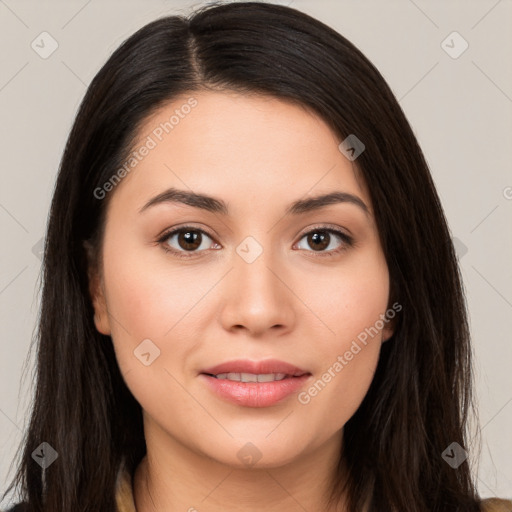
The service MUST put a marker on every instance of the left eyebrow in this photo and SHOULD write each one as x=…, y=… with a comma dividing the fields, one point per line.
x=317, y=202
x=214, y=205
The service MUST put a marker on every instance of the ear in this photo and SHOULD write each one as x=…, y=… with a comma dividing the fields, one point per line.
x=97, y=291
x=394, y=307
x=388, y=330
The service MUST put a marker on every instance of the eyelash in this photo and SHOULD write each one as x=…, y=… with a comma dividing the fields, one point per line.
x=347, y=240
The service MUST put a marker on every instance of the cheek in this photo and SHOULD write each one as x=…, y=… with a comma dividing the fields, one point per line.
x=152, y=323
x=336, y=393
x=150, y=299
x=349, y=301
x=347, y=333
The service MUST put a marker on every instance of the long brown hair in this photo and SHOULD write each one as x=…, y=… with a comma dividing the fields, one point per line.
x=419, y=400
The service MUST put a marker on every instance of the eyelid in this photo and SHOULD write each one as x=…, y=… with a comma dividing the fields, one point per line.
x=166, y=233
x=189, y=225
x=325, y=227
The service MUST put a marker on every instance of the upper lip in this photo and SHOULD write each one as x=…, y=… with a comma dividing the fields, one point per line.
x=256, y=367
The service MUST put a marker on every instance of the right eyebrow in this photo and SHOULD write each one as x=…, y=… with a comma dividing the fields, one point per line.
x=173, y=195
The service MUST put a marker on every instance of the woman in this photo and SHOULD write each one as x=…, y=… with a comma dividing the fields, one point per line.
x=251, y=299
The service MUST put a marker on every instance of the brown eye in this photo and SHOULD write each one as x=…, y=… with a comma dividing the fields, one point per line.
x=326, y=242
x=186, y=239
x=319, y=240
x=189, y=240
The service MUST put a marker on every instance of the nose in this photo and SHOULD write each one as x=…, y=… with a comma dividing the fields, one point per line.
x=257, y=298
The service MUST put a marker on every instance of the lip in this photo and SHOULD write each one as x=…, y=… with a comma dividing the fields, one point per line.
x=255, y=394
x=257, y=367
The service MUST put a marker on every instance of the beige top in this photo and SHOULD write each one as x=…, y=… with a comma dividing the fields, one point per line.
x=124, y=492
x=125, y=502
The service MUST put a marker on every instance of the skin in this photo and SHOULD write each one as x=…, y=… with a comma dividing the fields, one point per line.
x=258, y=154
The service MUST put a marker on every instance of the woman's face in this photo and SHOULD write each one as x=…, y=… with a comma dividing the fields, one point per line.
x=250, y=278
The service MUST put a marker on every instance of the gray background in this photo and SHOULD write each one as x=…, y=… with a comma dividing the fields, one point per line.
x=460, y=109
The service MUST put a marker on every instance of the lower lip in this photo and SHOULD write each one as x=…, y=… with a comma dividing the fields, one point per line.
x=255, y=394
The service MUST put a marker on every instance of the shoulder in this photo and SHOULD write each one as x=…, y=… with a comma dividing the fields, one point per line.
x=496, y=505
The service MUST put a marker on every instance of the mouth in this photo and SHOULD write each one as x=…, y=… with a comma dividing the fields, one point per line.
x=255, y=384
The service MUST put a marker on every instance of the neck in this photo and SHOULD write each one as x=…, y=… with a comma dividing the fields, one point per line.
x=173, y=477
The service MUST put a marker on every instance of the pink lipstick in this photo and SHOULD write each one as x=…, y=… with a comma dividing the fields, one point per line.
x=255, y=383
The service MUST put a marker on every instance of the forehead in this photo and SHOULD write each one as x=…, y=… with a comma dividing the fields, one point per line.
x=231, y=144
x=238, y=123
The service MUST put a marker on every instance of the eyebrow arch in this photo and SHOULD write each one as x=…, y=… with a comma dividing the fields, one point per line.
x=211, y=204
x=317, y=202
